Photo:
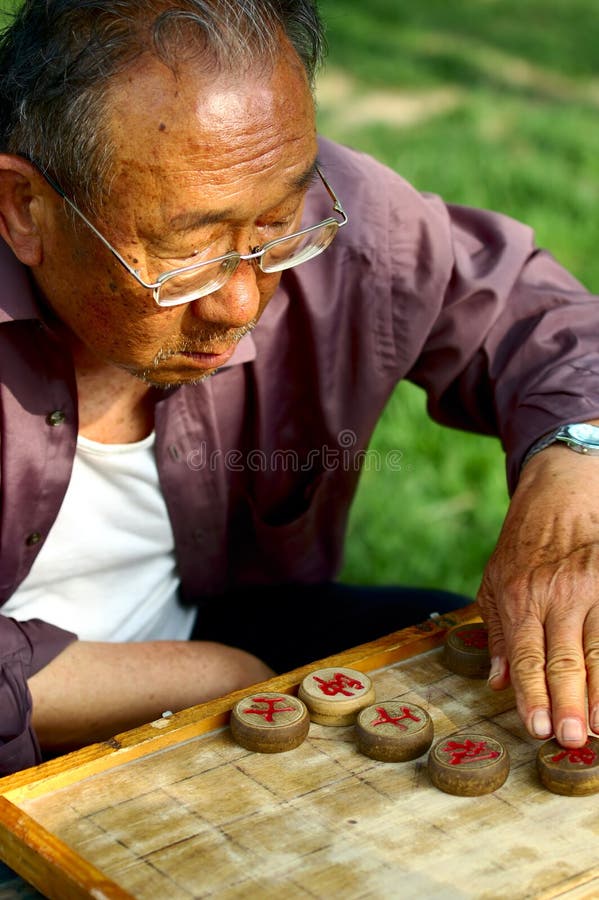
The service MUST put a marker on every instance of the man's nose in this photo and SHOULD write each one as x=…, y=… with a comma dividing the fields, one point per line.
x=236, y=303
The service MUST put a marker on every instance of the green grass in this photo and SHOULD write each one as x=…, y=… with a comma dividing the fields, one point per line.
x=519, y=133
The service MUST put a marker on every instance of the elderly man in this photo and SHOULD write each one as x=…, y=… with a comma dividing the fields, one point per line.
x=168, y=213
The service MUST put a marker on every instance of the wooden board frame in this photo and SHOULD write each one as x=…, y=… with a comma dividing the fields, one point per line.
x=54, y=868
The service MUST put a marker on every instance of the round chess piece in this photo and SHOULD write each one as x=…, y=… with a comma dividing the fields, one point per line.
x=572, y=772
x=466, y=650
x=468, y=764
x=269, y=722
x=335, y=696
x=393, y=731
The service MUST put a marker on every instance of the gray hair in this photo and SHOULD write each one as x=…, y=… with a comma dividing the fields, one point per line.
x=56, y=57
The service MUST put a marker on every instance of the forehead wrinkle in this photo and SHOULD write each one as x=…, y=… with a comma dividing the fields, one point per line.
x=193, y=219
x=228, y=156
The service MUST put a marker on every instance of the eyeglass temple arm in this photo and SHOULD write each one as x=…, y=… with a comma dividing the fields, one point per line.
x=53, y=184
x=336, y=201
x=337, y=206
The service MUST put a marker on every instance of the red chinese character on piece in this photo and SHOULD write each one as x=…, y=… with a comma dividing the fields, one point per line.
x=270, y=712
x=586, y=756
x=469, y=751
x=475, y=638
x=340, y=683
x=386, y=718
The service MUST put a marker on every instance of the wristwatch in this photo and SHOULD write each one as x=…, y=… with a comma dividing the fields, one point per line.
x=578, y=436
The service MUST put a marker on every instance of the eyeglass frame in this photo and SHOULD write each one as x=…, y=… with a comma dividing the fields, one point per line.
x=256, y=253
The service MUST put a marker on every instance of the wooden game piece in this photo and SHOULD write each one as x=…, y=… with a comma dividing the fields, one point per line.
x=468, y=764
x=574, y=773
x=269, y=722
x=335, y=696
x=466, y=650
x=394, y=731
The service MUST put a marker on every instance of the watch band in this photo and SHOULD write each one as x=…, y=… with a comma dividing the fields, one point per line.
x=539, y=445
x=582, y=437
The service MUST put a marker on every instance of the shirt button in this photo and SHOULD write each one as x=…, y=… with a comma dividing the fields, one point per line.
x=33, y=539
x=56, y=418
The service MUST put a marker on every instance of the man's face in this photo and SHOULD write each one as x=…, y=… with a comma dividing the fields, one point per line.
x=204, y=165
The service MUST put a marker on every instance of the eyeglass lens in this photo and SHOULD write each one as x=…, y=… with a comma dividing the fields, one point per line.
x=284, y=254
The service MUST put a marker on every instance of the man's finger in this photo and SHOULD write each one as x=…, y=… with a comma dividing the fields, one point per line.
x=566, y=676
x=591, y=652
x=499, y=677
x=526, y=650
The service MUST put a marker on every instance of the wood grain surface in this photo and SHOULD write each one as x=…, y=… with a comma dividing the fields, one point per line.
x=177, y=809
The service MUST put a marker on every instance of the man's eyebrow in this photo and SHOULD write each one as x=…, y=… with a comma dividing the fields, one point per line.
x=193, y=220
x=306, y=178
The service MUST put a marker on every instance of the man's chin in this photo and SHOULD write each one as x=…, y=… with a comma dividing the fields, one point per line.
x=168, y=380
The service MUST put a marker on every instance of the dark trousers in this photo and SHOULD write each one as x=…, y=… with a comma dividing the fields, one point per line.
x=292, y=625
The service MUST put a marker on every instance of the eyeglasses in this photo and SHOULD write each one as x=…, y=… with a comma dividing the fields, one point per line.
x=201, y=278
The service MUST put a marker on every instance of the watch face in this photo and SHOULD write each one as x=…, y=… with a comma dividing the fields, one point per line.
x=583, y=434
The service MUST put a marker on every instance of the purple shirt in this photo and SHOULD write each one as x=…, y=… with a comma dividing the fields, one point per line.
x=256, y=463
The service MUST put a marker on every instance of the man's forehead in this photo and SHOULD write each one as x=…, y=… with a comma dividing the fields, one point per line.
x=159, y=118
x=219, y=135
x=151, y=102
x=197, y=217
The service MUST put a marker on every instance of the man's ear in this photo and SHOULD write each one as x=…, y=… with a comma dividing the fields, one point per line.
x=21, y=207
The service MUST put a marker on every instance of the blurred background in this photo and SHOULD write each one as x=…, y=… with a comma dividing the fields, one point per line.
x=490, y=103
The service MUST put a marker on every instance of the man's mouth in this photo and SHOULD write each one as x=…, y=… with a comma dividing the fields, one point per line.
x=204, y=355
x=211, y=359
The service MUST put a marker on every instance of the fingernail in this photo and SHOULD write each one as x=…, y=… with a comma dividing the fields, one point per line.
x=496, y=667
x=595, y=719
x=541, y=724
x=571, y=730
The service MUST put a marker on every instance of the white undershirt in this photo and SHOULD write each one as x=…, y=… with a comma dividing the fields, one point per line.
x=107, y=569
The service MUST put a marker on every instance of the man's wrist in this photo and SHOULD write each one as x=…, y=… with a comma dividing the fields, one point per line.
x=582, y=437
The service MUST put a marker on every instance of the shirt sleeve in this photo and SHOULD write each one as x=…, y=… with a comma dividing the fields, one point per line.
x=513, y=349
x=25, y=648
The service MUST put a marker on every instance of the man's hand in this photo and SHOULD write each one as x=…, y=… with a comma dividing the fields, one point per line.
x=540, y=597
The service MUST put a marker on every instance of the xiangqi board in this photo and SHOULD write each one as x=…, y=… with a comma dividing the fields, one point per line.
x=178, y=808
